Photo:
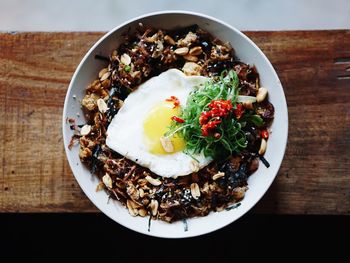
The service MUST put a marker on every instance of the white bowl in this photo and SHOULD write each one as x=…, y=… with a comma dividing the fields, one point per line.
x=258, y=183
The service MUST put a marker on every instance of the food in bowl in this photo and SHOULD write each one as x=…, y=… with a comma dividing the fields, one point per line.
x=175, y=124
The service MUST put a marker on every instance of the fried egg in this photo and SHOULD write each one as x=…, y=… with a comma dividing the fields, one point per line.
x=137, y=130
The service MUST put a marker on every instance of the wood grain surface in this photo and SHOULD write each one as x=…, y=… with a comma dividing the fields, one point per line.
x=314, y=67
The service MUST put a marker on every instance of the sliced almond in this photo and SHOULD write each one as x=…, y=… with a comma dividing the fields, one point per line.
x=169, y=40
x=181, y=51
x=195, y=192
x=102, y=106
x=105, y=76
x=99, y=186
x=154, y=207
x=218, y=175
x=102, y=72
x=262, y=93
x=141, y=192
x=107, y=180
x=85, y=130
x=195, y=51
x=262, y=146
x=153, y=181
x=167, y=144
x=125, y=59
x=191, y=58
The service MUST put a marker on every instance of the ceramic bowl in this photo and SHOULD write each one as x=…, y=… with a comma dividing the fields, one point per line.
x=247, y=52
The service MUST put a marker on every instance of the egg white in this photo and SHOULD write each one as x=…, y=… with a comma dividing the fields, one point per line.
x=125, y=132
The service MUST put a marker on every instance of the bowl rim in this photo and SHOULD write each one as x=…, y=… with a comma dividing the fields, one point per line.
x=181, y=12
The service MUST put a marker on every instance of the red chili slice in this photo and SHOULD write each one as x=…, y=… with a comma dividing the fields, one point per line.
x=174, y=100
x=264, y=134
x=177, y=119
x=238, y=111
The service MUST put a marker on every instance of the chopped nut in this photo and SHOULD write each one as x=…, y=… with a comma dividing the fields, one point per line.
x=89, y=101
x=189, y=38
x=262, y=146
x=195, y=51
x=248, y=104
x=220, y=52
x=133, y=204
x=120, y=103
x=102, y=72
x=135, y=74
x=169, y=40
x=205, y=188
x=153, y=181
x=107, y=180
x=133, y=211
x=85, y=153
x=85, y=130
x=106, y=83
x=142, y=182
x=105, y=76
x=160, y=45
x=181, y=51
x=262, y=93
x=102, y=106
x=145, y=201
x=154, y=207
x=192, y=69
x=218, y=175
x=167, y=144
x=125, y=59
x=142, y=212
x=191, y=58
x=195, y=192
x=153, y=38
x=194, y=166
x=132, y=192
x=239, y=192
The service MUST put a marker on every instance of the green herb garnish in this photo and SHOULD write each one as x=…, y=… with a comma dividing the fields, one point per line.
x=231, y=138
x=127, y=68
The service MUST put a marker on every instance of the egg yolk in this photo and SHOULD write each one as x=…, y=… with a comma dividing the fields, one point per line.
x=157, y=124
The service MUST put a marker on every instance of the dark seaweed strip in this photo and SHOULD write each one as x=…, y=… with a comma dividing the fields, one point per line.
x=95, y=153
x=149, y=222
x=264, y=161
x=185, y=224
x=74, y=127
x=233, y=206
x=112, y=110
x=100, y=57
x=182, y=32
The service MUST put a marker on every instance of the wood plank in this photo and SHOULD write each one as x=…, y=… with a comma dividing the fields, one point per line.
x=314, y=67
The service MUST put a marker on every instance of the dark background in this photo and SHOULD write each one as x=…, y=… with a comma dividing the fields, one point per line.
x=93, y=235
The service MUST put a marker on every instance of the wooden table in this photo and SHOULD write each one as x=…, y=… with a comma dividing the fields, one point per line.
x=314, y=67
